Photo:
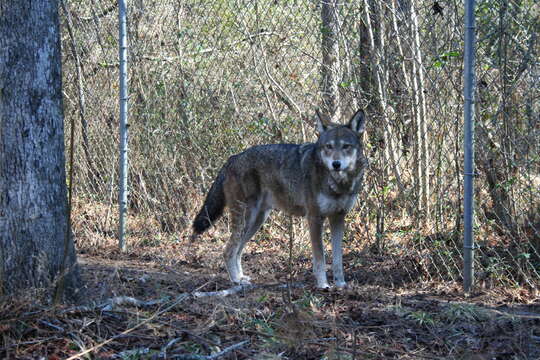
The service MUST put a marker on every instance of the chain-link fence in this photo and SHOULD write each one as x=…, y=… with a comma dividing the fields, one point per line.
x=210, y=78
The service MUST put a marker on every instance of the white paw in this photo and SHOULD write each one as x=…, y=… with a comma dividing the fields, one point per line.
x=323, y=285
x=242, y=280
x=341, y=284
x=245, y=280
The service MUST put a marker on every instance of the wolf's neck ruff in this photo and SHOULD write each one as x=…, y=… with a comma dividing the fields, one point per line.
x=340, y=186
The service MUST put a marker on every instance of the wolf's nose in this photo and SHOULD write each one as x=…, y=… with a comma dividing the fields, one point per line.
x=336, y=164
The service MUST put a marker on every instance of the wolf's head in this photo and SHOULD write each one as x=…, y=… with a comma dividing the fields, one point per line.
x=340, y=146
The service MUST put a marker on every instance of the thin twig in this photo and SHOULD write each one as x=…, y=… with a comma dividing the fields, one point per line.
x=194, y=336
x=227, y=349
x=164, y=355
x=291, y=239
x=55, y=327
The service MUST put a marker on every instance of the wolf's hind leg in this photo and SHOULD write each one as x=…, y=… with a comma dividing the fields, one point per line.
x=258, y=218
x=230, y=256
x=246, y=219
x=231, y=250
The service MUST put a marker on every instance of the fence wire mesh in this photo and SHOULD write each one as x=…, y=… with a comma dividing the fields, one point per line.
x=210, y=78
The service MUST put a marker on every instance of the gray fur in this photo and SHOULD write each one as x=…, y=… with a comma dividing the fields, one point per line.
x=300, y=180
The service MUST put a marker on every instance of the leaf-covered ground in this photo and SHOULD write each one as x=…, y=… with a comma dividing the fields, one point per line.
x=163, y=300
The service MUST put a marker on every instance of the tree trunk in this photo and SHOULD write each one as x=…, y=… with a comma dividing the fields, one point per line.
x=33, y=201
x=93, y=173
x=381, y=80
x=330, y=66
x=421, y=112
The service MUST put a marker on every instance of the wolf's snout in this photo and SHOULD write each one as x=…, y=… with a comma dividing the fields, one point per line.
x=336, y=164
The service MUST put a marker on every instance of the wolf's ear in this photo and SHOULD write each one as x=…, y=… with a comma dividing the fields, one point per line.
x=321, y=123
x=358, y=122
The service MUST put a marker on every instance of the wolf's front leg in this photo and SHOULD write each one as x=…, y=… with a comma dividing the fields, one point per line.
x=337, y=227
x=319, y=264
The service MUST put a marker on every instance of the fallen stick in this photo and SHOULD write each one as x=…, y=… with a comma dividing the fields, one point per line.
x=225, y=292
x=208, y=357
x=238, y=288
x=128, y=300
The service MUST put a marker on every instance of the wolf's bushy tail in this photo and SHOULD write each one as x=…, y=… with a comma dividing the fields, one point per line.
x=213, y=205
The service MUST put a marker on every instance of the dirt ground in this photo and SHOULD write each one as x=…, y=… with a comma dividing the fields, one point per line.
x=168, y=299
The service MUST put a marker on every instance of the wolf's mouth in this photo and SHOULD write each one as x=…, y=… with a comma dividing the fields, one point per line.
x=339, y=175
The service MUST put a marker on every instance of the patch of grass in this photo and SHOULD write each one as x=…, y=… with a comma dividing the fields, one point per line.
x=464, y=312
x=423, y=318
x=310, y=301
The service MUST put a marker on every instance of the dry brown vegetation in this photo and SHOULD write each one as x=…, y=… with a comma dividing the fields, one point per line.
x=208, y=79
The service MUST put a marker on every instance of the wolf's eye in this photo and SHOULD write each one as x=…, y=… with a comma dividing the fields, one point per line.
x=347, y=147
x=328, y=147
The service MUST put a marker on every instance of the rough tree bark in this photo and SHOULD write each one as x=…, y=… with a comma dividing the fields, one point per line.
x=330, y=57
x=33, y=195
x=422, y=150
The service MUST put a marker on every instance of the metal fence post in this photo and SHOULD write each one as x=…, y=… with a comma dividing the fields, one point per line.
x=468, y=143
x=122, y=198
